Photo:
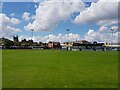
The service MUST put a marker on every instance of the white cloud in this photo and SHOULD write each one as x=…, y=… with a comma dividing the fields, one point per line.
x=103, y=28
x=91, y=35
x=90, y=31
x=12, y=14
x=54, y=0
x=49, y=14
x=15, y=21
x=57, y=38
x=8, y=31
x=36, y=6
x=115, y=28
x=8, y=21
x=108, y=22
x=7, y=26
x=102, y=35
x=103, y=13
x=109, y=1
x=26, y=16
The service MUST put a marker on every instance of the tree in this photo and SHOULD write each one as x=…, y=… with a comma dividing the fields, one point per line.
x=6, y=42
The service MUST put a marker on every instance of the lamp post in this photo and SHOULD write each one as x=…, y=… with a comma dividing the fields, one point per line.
x=112, y=31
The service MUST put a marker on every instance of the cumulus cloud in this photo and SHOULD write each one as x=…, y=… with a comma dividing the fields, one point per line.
x=49, y=14
x=57, y=38
x=15, y=21
x=26, y=16
x=103, y=28
x=8, y=31
x=5, y=20
x=36, y=6
x=102, y=35
x=109, y=1
x=104, y=12
x=115, y=28
x=6, y=25
x=12, y=14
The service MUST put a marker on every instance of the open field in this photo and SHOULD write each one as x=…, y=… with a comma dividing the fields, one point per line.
x=59, y=69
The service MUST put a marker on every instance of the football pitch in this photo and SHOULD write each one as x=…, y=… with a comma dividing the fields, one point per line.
x=59, y=69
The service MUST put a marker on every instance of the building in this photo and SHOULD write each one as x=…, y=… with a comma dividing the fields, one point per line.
x=70, y=44
x=84, y=45
x=24, y=42
x=16, y=40
x=88, y=46
x=54, y=45
x=75, y=45
x=82, y=42
x=114, y=46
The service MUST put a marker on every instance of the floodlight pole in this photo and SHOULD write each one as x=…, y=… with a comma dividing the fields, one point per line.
x=67, y=34
x=67, y=37
x=32, y=37
x=112, y=30
x=32, y=34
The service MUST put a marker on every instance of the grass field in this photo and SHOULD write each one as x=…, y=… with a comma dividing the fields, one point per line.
x=0, y=69
x=59, y=69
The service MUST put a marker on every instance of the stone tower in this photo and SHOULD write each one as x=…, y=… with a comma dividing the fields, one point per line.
x=15, y=38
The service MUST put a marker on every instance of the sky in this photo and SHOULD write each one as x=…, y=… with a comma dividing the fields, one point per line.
x=91, y=21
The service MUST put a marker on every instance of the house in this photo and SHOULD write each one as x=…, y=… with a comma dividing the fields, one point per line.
x=88, y=46
x=84, y=45
x=113, y=46
x=82, y=42
x=54, y=45
x=70, y=44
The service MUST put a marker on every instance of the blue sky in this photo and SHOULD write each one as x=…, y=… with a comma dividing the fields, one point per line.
x=17, y=9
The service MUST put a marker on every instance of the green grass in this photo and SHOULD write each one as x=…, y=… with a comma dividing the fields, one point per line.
x=59, y=69
x=0, y=69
